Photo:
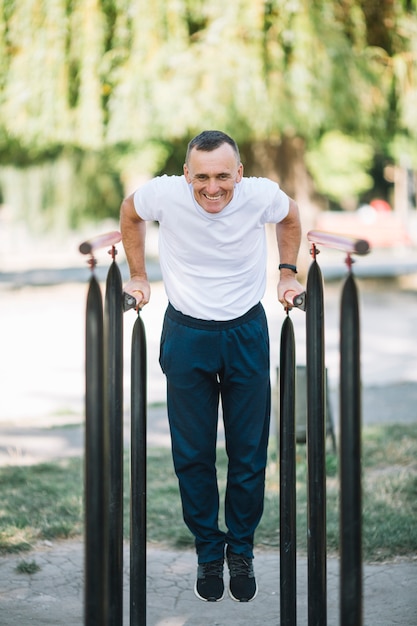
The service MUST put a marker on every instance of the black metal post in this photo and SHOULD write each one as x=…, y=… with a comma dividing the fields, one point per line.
x=350, y=459
x=113, y=376
x=138, y=478
x=288, y=532
x=316, y=440
x=95, y=479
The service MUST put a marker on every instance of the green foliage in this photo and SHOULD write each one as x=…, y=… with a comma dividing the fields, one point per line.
x=340, y=166
x=403, y=150
x=75, y=187
x=93, y=76
x=109, y=71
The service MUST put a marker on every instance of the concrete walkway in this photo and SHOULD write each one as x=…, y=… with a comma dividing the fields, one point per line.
x=54, y=595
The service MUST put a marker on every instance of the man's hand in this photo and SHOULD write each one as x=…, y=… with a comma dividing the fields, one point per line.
x=288, y=288
x=140, y=289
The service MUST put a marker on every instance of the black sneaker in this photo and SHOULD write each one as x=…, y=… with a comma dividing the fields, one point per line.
x=209, y=585
x=242, y=587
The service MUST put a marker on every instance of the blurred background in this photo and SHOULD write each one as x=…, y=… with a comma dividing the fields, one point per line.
x=99, y=95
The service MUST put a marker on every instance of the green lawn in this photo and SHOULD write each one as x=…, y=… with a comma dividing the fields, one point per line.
x=46, y=501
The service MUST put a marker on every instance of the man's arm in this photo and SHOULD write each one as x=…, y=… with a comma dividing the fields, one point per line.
x=133, y=230
x=288, y=233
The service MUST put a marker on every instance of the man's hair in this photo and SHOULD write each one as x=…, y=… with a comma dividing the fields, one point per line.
x=209, y=140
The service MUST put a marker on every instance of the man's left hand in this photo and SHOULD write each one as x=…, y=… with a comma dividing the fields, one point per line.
x=288, y=288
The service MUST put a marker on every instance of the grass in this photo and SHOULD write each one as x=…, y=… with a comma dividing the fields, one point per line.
x=46, y=501
x=27, y=567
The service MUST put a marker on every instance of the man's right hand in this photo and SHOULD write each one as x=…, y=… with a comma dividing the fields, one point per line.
x=140, y=289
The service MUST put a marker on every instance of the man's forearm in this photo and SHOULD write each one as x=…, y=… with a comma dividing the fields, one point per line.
x=288, y=234
x=289, y=239
x=133, y=231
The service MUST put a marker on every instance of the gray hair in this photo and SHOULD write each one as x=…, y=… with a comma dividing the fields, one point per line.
x=210, y=140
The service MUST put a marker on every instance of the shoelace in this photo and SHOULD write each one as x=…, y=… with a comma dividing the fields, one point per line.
x=239, y=566
x=214, y=568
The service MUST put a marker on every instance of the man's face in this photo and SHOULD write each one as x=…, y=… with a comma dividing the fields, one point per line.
x=213, y=176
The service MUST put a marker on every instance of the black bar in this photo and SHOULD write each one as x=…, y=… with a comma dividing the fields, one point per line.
x=113, y=333
x=316, y=440
x=288, y=531
x=95, y=478
x=350, y=459
x=138, y=478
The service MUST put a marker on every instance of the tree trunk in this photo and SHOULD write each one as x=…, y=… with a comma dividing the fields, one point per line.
x=283, y=161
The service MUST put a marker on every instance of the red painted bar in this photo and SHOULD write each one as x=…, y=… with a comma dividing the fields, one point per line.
x=101, y=241
x=345, y=243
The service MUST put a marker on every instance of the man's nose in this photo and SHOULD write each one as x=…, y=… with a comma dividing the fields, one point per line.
x=212, y=186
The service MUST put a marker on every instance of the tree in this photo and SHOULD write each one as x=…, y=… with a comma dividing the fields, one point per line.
x=131, y=81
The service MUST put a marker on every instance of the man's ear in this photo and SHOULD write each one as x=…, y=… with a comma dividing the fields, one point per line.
x=239, y=175
x=186, y=173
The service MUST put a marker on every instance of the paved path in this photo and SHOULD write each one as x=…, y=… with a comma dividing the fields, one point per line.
x=54, y=595
x=42, y=389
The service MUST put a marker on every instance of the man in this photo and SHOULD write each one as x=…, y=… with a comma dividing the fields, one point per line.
x=214, y=343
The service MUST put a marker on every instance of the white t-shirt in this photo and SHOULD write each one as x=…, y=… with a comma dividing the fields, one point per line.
x=213, y=265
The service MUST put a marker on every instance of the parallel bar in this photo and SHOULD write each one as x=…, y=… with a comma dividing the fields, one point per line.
x=345, y=243
x=113, y=333
x=138, y=478
x=95, y=488
x=350, y=459
x=288, y=532
x=101, y=241
x=316, y=437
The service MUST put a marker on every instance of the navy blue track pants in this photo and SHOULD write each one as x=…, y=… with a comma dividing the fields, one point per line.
x=205, y=361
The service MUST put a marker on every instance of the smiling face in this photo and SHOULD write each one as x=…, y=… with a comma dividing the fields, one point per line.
x=213, y=175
